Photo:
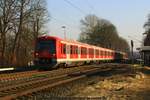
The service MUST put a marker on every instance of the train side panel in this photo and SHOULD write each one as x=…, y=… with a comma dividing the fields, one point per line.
x=73, y=52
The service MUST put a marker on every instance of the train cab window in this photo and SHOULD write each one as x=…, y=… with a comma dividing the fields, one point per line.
x=49, y=45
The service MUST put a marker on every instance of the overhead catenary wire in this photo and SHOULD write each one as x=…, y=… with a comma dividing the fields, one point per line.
x=90, y=6
x=135, y=39
x=68, y=26
x=76, y=7
x=62, y=23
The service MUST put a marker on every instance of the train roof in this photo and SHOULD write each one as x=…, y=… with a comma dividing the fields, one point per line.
x=45, y=37
x=74, y=42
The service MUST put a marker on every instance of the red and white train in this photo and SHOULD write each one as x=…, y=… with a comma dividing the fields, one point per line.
x=54, y=52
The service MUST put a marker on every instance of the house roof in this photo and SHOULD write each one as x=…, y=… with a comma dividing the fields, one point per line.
x=145, y=48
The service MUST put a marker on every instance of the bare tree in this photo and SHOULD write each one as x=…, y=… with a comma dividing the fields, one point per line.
x=7, y=15
x=147, y=32
x=32, y=16
x=102, y=33
x=20, y=23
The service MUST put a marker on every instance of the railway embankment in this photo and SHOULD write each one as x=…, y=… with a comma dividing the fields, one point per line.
x=132, y=85
x=94, y=82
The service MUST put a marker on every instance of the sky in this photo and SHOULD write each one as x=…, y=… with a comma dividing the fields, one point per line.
x=128, y=16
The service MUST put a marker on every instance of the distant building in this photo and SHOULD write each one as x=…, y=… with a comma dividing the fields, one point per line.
x=145, y=50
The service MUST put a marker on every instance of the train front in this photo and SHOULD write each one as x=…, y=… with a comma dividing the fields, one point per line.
x=45, y=52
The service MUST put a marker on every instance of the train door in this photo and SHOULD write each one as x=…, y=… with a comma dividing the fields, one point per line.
x=68, y=52
x=79, y=52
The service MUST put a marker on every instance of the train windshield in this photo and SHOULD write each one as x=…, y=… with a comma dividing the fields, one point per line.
x=49, y=45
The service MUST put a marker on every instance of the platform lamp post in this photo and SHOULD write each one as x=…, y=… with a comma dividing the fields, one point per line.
x=132, y=51
x=64, y=28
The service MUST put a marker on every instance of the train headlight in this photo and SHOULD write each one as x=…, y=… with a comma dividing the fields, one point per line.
x=54, y=55
x=36, y=54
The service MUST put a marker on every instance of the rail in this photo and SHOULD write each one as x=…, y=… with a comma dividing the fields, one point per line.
x=12, y=92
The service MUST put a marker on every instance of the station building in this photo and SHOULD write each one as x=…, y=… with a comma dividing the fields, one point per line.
x=145, y=51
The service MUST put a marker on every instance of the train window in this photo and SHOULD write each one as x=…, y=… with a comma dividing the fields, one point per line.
x=68, y=49
x=79, y=50
x=101, y=53
x=71, y=49
x=97, y=52
x=105, y=53
x=76, y=50
x=63, y=48
x=46, y=45
x=112, y=54
x=83, y=51
x=108, y=53
x=91, y=51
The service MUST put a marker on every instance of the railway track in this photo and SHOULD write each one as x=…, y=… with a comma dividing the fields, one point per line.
x=30, y=87
x=20, y=75
x=12, y=76
x=38, y=81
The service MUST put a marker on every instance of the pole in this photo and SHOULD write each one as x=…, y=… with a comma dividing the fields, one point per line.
x=132, y=57
x=64, y=27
